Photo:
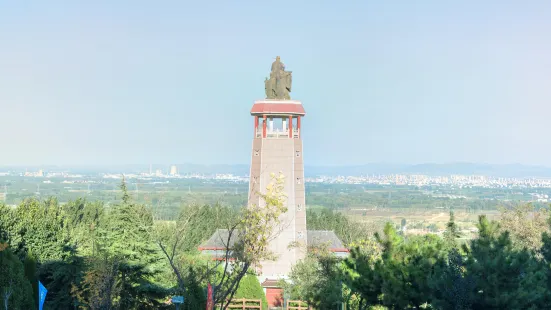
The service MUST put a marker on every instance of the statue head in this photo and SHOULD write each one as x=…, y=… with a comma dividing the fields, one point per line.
x=277, y=58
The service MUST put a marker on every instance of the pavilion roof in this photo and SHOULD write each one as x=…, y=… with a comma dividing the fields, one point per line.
x=278, y=107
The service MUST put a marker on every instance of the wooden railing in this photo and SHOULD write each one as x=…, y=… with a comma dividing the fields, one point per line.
x=243, y=304
x=302, y=305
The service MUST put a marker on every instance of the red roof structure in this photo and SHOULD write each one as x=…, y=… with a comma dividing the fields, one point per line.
x=278, y=107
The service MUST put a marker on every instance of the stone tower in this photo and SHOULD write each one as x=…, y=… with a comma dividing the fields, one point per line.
x=277, y=147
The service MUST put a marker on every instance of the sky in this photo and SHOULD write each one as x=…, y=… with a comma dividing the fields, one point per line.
x=137, y=82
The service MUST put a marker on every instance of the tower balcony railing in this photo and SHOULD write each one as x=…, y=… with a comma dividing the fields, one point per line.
x=278, y=133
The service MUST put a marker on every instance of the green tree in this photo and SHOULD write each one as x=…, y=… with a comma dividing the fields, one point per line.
x=83, y=218
x=124, y=236
x=405, y=271
x=99, y=289
x=195, y=295
x=525, y=225
x=62, y=278
x=29, y=265
x=451, y=286
x=362, y=273
x=198, y=223
x=303, y=280
x=38, y=227
x=5, y=221
x=123, y=260
x=452, y=232
x=505, y=278
x=15, y=289
x=347, y=230
x=249, y=288
x=399, y=279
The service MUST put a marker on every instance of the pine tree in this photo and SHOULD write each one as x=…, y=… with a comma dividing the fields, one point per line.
x=38, y=227
x=124, y=236
x=62, y=278
x=451, y=287
x=452, y=232
x=505, y=278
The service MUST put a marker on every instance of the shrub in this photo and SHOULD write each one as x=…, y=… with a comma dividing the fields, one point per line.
x=250, y=288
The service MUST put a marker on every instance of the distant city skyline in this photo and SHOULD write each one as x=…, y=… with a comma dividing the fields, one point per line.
x=513, y=170
x=420, y=180
x=410, y=82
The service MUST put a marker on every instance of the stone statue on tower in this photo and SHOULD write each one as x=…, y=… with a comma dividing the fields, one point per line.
x=279, y=84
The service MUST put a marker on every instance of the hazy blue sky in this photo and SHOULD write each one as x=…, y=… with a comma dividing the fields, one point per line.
x=108, y=82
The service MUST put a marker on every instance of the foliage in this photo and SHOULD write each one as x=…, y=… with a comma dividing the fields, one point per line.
x=15, y=289
x=197, y=224
x=363, y=277
x=525, y=225
x=405, y=267
x=99, y=290
x=62, y=278
x=83, y=218
x=29, y=265
x=399, y=278
x=124, y=241
x=347, y=230
x=317, y=280
x=195, y=295
x=38, y=227
x=250, y=288
x=451, y=286
x=257, y=226
x=251, y=232
x=94, y=256
x=452, y=233
x=5, y=216
x=505, y=278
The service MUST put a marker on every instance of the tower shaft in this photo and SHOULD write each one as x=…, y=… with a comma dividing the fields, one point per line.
x=277, y=148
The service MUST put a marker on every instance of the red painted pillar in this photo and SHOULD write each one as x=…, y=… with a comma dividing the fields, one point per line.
x=291, y=126
x=264, y=127
x=298, y=125
x=255, y=125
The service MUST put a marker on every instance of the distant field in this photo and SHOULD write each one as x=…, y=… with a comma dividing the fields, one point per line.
x=363, y=202
x=422, y=219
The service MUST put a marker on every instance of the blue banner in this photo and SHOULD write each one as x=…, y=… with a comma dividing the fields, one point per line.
x=42, y=291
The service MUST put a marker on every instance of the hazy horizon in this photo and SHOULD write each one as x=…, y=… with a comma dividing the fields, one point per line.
x=248, y=164
x=114, y=83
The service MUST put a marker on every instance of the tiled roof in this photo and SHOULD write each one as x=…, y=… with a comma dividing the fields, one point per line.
x=278, y=107
x=319, y=237
x=218, y=240
x=314, y=237
x=270, y=283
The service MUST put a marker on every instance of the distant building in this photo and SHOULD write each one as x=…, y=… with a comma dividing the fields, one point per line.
x=159, y=173
x=173, y=170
